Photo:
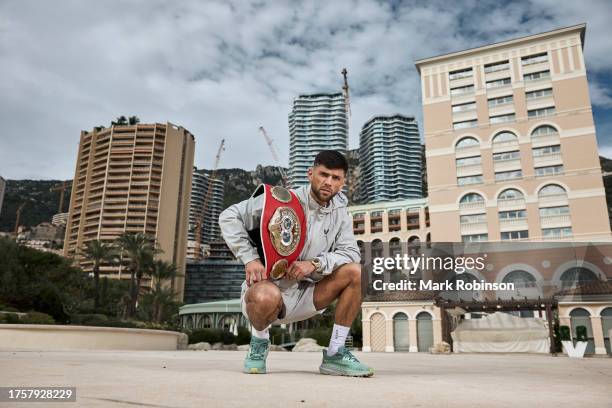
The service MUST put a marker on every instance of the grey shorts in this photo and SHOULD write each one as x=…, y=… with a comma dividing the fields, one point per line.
x=298, y=298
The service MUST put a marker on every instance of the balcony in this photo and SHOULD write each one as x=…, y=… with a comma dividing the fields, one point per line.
x=475, y=205
x=553, y=199
x=469, y=170
x=513, y=224
x=467, y=151
x=507, y=165
x=505, y=146
x=551, y=221
x=511, y=203
x=547, y=160
x=474, y=227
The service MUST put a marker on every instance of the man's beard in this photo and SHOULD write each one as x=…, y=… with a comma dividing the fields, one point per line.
x=317, y=194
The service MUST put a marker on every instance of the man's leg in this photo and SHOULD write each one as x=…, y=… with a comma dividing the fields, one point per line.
x=343, y=284
x=263, y=303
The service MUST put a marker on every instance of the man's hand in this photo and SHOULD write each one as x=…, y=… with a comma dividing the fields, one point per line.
x=299, y=270
x=255, y=271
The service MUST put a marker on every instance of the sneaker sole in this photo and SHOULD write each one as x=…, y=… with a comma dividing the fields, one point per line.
x=330, y=371
x=254, y=370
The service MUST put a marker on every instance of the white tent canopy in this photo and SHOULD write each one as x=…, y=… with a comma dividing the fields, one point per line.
x=501, y=333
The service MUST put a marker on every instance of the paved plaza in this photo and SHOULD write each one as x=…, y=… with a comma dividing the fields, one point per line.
x=173, y=379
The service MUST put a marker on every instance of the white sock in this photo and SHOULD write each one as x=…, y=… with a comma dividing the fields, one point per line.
x=261, y=334
x=338, y=338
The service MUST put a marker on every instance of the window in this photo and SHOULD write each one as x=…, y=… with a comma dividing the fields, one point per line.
x=512, y=215
x=537, y=113
x=546, y=151
x=534, y=59
x=510, y=194
x=465, y=124
x=548, y=170
x=551, y=190
x=536, y=76
x=557, y=232
x=467, y=142
x=464, y=181
x=544, y=130
x=498, y=83
x=462, y=90
x=376, y=214
x=496, y=66
x=505, y=156
x=502, y=118
x=505, y=137
x=502, y=100
x=473, y=219
x=539, y=93
x=554, y=211
x=510, y=235
x=461, y=73
x=464, y=107
x=508, y=175
x=475, y=238
x=469, y=161
x=472, y=198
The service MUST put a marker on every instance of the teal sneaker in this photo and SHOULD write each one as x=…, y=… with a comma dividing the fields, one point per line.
x=255, y=361
x=344, y=363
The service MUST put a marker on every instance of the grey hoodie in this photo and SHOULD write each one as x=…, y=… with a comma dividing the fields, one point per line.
x=329, y=230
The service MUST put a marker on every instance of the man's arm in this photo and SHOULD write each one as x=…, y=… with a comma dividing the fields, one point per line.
x=235, y=221
x=344, y=250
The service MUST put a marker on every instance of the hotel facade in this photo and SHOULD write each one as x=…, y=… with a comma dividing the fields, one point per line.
x=510, y=142
x=134, y=179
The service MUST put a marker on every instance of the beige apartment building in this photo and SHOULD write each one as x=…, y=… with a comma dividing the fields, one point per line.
x=510, y=142
x=132, y=179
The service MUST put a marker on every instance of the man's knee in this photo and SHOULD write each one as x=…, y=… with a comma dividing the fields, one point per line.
x=264, y=294
x=353, y=272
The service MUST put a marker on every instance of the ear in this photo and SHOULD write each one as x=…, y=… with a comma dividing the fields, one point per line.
x=310, y=173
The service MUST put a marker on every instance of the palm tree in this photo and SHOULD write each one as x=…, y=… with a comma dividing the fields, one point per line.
x=133, y=120
x=98, y=252
x=160, y=272
x=140, y=251
x=121, y=121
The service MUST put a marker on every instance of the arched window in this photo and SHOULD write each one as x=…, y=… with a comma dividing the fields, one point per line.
x=471, y=198
x=544, y=130
x=467, y=142
x=510, y=194
x=551, y=190
x=505, y=137
x=521, y=279
x=377, y=248
x=577, y=276
x=401, y=337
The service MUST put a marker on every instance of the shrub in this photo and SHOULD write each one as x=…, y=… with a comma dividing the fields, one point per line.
x=9, y=318
x=93, y=319
x=321, y=335
x=564, y=333
x=208, y=335
x=228, y=337
x=244, y=336
x=581, y=333
x=37, y=318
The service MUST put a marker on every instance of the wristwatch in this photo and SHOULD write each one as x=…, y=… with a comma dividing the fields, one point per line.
x=316, y=262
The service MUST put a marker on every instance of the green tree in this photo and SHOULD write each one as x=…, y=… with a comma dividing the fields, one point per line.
x=139, y=250
x=133, y=120
x=98, y=252
x=121, y=121
x=162, y=296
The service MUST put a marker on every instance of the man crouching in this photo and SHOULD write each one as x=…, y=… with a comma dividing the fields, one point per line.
x=327, y=268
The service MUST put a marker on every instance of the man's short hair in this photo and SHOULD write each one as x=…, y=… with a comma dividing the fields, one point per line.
x=332, y=159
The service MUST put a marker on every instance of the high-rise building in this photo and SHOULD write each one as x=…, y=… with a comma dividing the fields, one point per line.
x=390, y=159
x=316, y=122
x=2, y=188
x=510, y=142
x=134, y=179
x=214, y=205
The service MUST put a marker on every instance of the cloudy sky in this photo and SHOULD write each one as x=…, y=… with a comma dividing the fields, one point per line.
x=222, y=69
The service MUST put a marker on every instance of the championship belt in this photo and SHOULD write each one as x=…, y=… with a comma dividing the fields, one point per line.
x=282, y=230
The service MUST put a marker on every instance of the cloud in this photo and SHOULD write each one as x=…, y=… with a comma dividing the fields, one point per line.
x=223, y=68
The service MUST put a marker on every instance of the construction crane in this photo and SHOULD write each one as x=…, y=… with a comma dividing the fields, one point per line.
x=345, y=92
x=61, y=188
x=209, y=190
x=17, y=217
x=270, y=143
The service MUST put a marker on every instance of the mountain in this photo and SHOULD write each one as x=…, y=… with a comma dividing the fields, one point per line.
x=41, y=204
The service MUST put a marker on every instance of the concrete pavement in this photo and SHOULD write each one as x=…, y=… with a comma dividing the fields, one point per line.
x=173, y=379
